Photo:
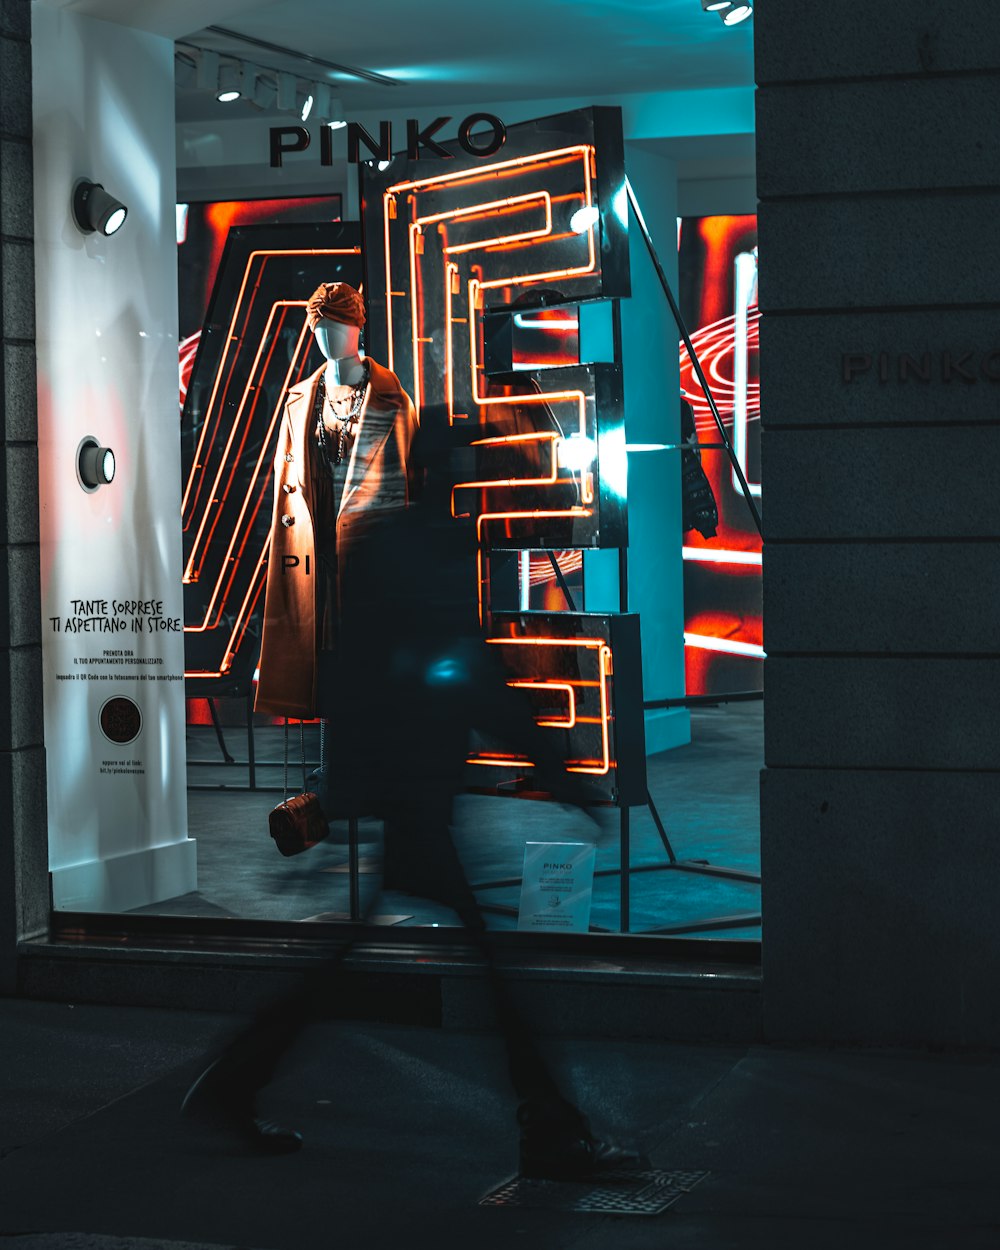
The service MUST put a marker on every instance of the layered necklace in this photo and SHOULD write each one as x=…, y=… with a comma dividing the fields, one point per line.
x=334, y=447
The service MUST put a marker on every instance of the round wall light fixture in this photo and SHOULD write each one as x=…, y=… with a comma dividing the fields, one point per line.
x=737, y=13
x=96, y=211
x=95, y=465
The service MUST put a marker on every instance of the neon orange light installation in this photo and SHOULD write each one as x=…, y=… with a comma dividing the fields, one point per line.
x=596, y=767
x=208, y=513
x=570, y=719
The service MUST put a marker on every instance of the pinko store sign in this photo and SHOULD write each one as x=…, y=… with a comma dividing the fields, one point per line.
x=420, y=141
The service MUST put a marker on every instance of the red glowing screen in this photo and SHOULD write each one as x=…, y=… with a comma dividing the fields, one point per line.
x=722, y=575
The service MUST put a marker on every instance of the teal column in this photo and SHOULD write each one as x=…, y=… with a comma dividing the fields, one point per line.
x=652, y=415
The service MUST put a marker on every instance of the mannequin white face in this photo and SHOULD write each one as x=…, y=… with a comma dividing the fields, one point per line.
x=336, y=340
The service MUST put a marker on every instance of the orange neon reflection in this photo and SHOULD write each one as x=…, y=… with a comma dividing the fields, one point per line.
x=263, y=256
x=570, y=719
x=242, y=619
x=191, y=572
x=233, y=561
x=518, y=165
x=549, y=480
x=595, y=767
x=536, y=514
x=485, y=401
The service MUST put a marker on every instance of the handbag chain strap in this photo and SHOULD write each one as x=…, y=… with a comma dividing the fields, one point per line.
x=284, y=784
x=302, y=754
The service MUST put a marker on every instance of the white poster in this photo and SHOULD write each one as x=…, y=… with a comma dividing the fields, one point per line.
x=557, y=886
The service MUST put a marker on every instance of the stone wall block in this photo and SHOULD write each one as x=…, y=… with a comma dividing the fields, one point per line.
x=879, y=251
x=19, y=405
x=888, y=881
x=871, y=712
x=19, y=473
x=891, y=598
x=927, y=482
x=19, y=581
x=15, y=18
x=938, y=132
x=857, y=38
x=15, y=87
x=16, y=191
x=22, y=811
x=17, y=286
x=918, y=346
x=21, y=693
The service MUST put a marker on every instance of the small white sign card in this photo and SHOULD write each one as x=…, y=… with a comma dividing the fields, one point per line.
x=557, y=886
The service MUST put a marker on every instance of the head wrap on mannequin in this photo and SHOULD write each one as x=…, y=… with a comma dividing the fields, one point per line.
x=335, y=301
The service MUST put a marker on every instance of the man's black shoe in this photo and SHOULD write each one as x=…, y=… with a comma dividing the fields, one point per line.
x=557, y=1144
x=220, y=1099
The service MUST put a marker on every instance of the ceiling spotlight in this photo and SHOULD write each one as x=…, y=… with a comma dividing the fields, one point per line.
x=230, y=84
x=337, y=125
x=287, y=92
x=249, y=75
x=95, y=465
x=207, y=76
x=713, y=6
x=95, y=210
x=185, y=71
x=736, y=13
x=307, y=107
x=322, y=98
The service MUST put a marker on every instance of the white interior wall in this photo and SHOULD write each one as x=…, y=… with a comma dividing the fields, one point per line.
x=107, y=367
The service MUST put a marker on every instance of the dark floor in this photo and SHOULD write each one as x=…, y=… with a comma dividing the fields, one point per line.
x=706, y=793
x=407, y=1128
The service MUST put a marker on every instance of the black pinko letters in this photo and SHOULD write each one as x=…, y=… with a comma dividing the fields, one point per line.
x=362, y=145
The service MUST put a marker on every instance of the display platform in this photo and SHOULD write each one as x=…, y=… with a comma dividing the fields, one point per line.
x=706, y=793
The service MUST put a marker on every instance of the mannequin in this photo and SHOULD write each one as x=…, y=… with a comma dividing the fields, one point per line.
x=339, y=344
x=342, y=454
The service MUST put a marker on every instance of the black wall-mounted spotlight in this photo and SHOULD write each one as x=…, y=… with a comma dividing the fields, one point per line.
x=95, y=465
x=94, y=209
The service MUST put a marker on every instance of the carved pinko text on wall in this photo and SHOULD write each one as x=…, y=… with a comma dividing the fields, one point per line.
x=943, y=366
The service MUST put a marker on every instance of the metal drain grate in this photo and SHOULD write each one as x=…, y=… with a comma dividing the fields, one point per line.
x=625, y=1191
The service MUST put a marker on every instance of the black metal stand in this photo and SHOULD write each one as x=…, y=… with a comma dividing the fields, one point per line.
x=214, y=713
x=353, y=868
x=251, y=763
x=625, y=871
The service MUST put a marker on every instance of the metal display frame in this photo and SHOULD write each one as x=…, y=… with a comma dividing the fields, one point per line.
x=698, y=867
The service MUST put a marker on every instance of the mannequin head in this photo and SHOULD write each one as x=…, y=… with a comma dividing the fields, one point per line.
x=335, y=339
x=336, y=313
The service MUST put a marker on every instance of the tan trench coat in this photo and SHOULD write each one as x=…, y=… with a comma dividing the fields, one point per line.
x=376, y=480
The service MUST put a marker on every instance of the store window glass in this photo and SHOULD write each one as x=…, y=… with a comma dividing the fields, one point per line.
x=444, y=563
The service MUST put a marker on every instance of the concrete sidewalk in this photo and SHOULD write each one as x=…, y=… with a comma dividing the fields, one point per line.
x=407, y=1128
